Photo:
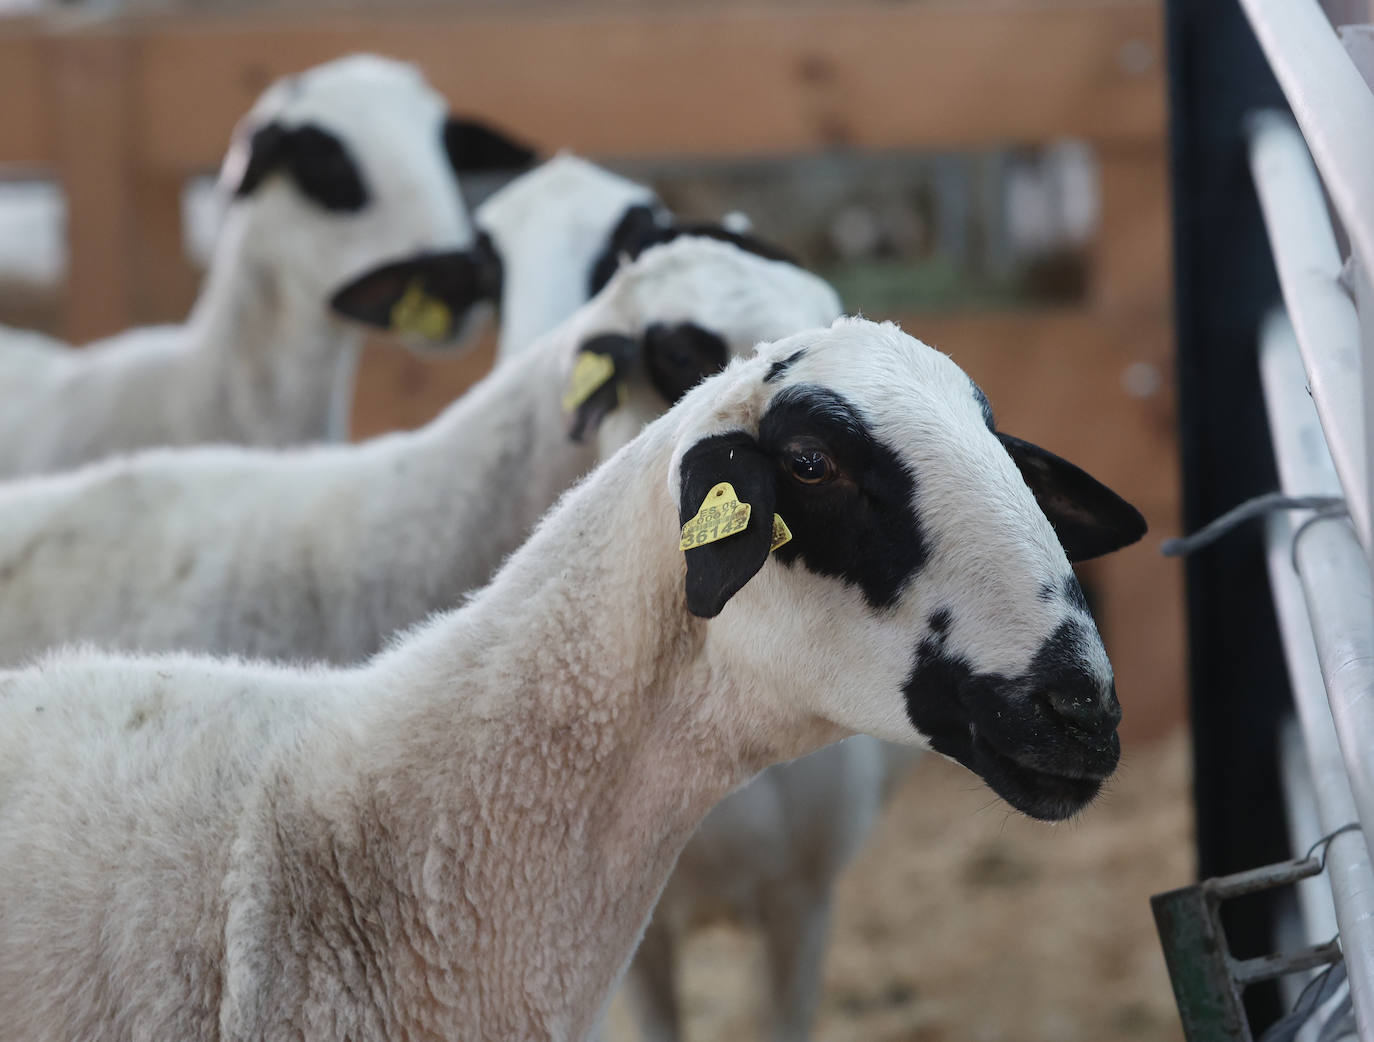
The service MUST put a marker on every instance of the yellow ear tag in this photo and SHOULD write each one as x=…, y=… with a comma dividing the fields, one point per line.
x=589, y=375
x=781, y=533
x=721, y=515
x=418, y=312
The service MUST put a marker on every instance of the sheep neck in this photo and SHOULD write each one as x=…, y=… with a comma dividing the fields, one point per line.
x=274, y=365
x=561, y=751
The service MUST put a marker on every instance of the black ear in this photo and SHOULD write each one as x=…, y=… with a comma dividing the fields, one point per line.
x=1088, y=517
x=638, y=229
x=680, y=356
x=717, y=571
x=427, y=295
x=603, y=362
x=473, y=146
x=313, y=158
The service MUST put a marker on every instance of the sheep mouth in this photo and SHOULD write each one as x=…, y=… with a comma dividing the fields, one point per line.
x=1034, y=790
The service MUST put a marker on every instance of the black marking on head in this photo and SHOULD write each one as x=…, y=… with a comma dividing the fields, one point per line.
x=316, y=160
x=472, y=146
x=984, y=405
x=778, y=368
x=939, y=623
x=1088, y=517
x=1044, y=741
x=862, y=526
x=679, y=356
x=643, y=226
x=1073, y=593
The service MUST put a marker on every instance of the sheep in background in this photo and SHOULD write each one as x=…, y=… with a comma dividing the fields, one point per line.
x=324, y=553
x=554, y=236
x=333, y=172
x=464, y=837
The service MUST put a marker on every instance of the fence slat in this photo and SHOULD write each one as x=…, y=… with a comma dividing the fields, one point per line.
x=705, y=83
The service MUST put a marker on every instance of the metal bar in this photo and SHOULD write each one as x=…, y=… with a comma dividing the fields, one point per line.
x=1267, y=967
x=1298, y=446
x=1332, y=103
x=1309, y=267
x=1335, y=109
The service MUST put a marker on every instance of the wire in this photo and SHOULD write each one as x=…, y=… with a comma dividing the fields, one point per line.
x=1325, y=841
x=1328, y=506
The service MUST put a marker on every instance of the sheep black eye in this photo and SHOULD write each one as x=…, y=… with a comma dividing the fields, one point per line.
x=812, y=467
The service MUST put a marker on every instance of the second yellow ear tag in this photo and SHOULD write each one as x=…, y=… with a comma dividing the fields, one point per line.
x=781, y=533
x=721, y=515
x=418, y=312
x=589, y=375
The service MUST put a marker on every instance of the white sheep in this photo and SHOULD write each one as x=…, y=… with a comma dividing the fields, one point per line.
x=324, y=552
x=333, y=172
x=556, y=235
x=464, y=837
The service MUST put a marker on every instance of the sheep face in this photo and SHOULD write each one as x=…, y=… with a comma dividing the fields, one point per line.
x=925, y=594
x=678, y=314
x=352, y=165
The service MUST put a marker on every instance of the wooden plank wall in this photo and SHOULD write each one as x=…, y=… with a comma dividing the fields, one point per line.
x=125, y=110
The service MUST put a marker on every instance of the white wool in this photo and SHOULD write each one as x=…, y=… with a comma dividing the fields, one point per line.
x=261, y=359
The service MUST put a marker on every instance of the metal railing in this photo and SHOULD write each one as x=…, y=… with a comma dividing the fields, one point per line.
x=1319, y=565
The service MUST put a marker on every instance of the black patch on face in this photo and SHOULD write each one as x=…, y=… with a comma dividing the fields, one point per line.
x=778, y=368
x=679, y=356
x=984, y=405
x=474, y=147
x=940, y=622
x=860, y=527
x=1043, y=741
x=641, y=227
x=316, y=160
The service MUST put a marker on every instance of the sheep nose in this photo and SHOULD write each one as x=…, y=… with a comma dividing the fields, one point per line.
x=1086, y=707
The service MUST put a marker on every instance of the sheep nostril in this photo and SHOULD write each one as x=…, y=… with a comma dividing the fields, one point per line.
x=1086, y=710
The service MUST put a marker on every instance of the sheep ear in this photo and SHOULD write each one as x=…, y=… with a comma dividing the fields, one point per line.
x=680, y=356
x=638, y=229
x=717, y=570
x=427, y=296
x=1088, y=517
x=598, y=382
x=473, y=146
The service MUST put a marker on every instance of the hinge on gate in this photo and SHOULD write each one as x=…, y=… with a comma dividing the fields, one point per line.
x=1208, y=980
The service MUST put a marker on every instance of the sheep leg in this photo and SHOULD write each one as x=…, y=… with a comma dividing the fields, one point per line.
x=649, y=985
x=796, y=925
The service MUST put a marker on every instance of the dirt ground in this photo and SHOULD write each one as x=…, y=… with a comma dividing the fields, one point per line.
x=963, y=922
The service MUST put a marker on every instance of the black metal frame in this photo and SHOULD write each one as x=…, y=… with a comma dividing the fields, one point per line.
x=1224, y=281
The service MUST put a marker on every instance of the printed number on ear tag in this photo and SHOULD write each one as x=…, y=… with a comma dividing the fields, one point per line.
x=781, y=533
x=721, y=515
x=417, y=312
x=589, y=375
